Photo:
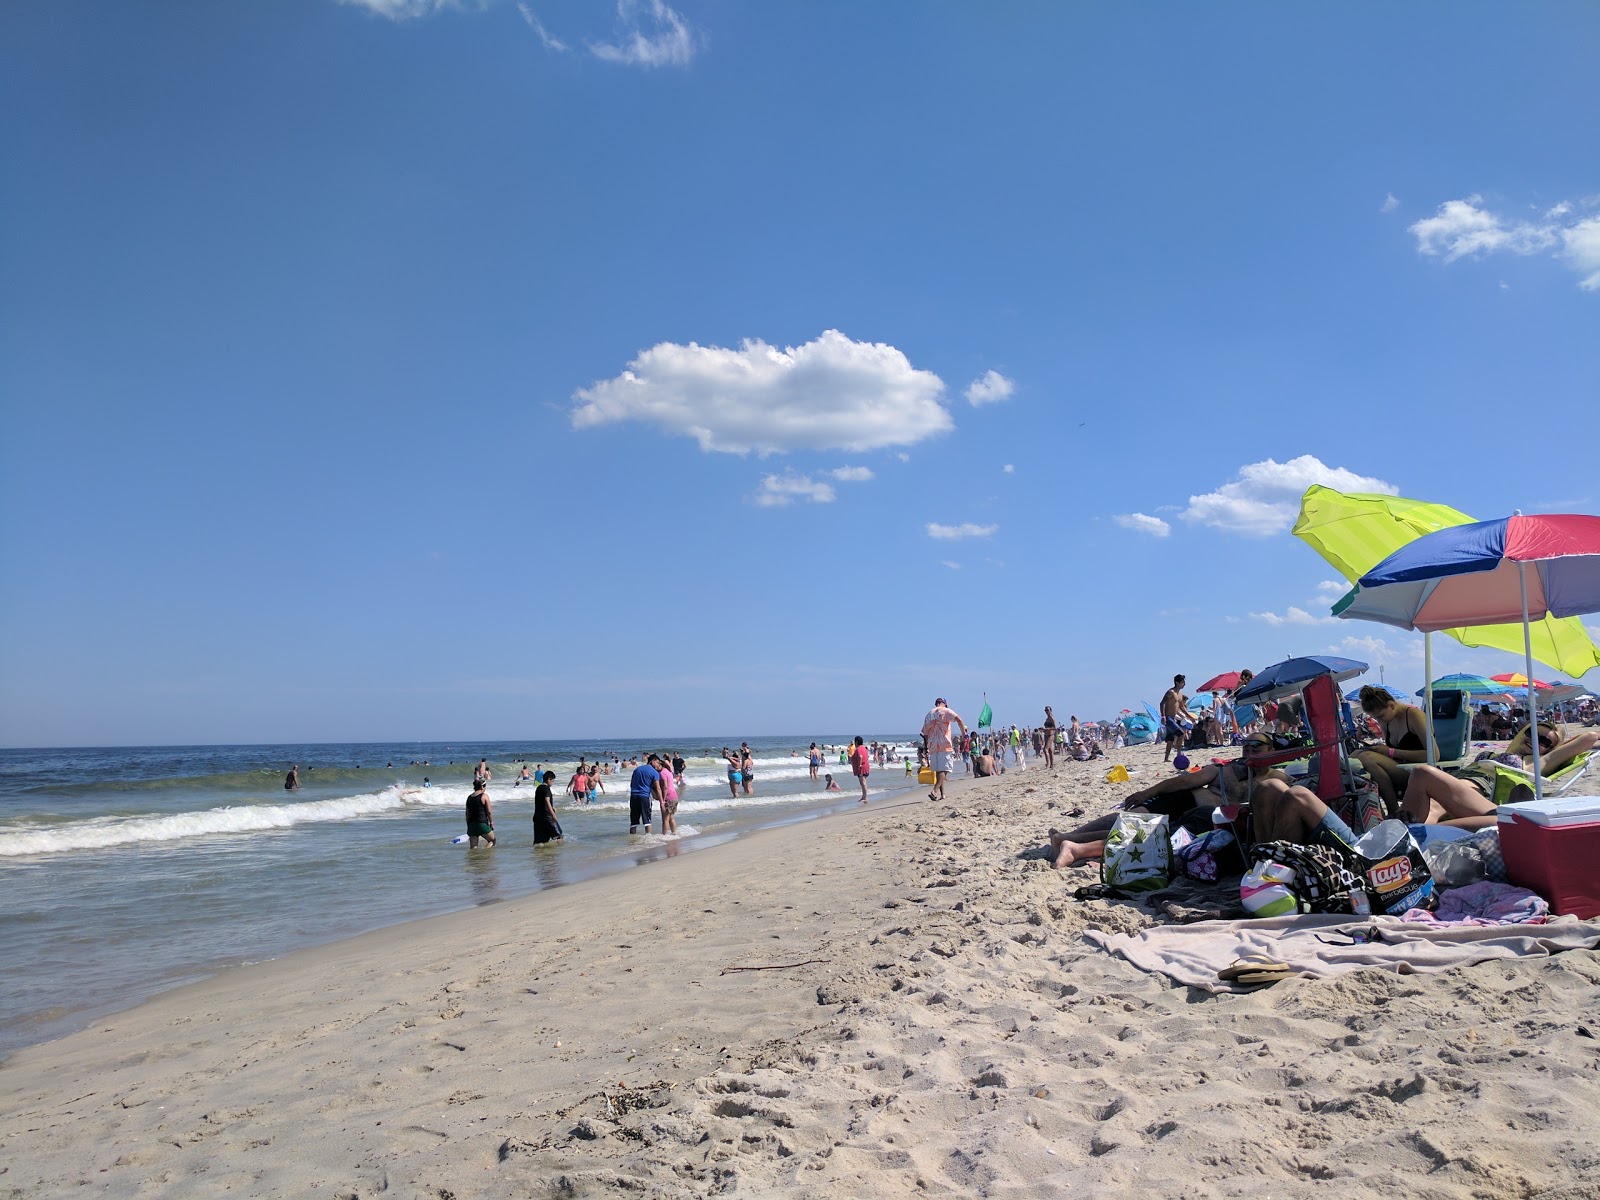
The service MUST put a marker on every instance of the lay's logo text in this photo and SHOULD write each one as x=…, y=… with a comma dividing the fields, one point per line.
x=1391, y=873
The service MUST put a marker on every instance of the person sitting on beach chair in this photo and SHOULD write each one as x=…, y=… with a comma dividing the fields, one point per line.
x=1469, y=797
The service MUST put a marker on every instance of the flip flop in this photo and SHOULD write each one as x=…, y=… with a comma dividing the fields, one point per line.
x=1258, y=967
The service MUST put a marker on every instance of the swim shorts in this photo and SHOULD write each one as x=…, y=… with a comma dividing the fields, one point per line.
x=939, y=760
x=638, y=810
x=479, y=829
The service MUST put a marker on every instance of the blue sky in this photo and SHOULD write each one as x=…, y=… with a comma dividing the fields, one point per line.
x=397, y=369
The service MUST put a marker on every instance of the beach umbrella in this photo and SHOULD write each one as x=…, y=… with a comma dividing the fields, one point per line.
x=1199, y=701
x=1355, y=698
x=1355, y=531
x=1225, y=682
x=1472, y=685
x=1518, y=679
x=1489, y=572
x=1291, y=674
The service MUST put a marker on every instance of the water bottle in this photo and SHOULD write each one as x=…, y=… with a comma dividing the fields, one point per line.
x=1360, y=904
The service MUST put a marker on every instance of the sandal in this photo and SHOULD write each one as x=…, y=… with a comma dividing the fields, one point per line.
x=1256, y=969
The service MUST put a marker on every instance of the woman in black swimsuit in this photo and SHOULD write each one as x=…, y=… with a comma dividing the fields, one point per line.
x=1405, y=731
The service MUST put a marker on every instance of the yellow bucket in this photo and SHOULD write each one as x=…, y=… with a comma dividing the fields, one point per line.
x=1117, y=774
x=926, y=775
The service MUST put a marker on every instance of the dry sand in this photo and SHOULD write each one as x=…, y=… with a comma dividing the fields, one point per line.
x=932, y=1024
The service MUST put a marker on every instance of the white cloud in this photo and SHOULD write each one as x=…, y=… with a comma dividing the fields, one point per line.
x=1377, y=652
x=1143, y=523
x=1390, y=203
x=402, y=10
x=954, y=566
x=991, y=389
x=780, y=491
x=1293, y=616
x=1266, y=497
x=1009, y=469
x=1330, y=590
x=852, y=474
x=550, y=42
x=951, y=532
x=1582, y=250
x=903, y=457
x=1464, y=228
x=829, y=394
x=651, y=35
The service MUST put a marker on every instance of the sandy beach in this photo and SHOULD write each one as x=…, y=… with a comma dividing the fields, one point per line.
x=898, y=1001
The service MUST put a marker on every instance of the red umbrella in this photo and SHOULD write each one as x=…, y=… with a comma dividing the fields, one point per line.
x=1518, y=679
x=1225, y=682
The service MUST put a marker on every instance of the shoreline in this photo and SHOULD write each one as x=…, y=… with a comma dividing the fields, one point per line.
x=899, y=1002
x=58, y=1022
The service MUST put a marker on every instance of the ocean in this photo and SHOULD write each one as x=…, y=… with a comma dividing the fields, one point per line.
x=128, y=871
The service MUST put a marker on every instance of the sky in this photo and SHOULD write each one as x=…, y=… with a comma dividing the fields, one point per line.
x=408, y=369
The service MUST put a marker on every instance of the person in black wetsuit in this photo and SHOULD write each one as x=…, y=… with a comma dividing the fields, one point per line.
x=1405, y=730
x=545, y=826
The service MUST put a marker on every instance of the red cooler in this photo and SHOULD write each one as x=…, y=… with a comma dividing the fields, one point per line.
x=1552, y=847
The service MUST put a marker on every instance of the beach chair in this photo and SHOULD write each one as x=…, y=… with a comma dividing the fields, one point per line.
x=1329, y=771
x=1507, y=779
x=1452, y=725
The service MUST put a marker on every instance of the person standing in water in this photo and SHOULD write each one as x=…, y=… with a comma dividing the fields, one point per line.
x=545, y=826
x=480, y=817
x=291, y=781
x=814, y=760
x=524, y=777
x=481, y=774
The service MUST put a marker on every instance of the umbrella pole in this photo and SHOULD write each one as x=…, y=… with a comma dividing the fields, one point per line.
x=1427, y=667
x=1533, y=705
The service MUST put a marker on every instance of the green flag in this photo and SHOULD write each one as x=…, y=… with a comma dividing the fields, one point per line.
x=986, y=717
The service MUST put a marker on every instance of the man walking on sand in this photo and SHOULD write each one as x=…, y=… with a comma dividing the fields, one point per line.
x=941, y=751
x=1172, y=709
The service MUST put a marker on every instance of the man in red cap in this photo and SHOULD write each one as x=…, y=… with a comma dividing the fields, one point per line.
x=941, y=750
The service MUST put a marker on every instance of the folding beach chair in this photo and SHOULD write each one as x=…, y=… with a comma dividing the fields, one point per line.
x=1331, y=776
x=1507, y=779
x=1452, y=725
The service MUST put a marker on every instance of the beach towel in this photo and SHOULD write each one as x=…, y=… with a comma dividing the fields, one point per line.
x=1193, y=954
x=1486, y=904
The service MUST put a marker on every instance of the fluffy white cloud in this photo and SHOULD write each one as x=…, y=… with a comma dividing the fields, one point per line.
x=1009, y=469
x=1330, y=590
x=651, y=35
x=1144, y=523
x=1294, y=616
x=1266, y=497
x=778, y=491
x=829, y=394
x=992, y=388
x=952, y=532
x=852, y=474
x=1390, y=203
x=1462, y=228
x=954, y=566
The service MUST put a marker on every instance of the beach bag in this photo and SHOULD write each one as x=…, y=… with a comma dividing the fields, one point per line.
x=1395, y=871
x=1138, y=855
x=1317, y=879
x=1209, y=856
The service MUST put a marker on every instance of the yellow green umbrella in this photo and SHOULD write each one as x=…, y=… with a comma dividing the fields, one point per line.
x=1356, y=531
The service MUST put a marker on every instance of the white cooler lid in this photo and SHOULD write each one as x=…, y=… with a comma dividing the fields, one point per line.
x=1555, y=811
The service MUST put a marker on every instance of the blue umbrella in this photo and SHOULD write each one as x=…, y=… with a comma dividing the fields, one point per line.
x=1291, y=674
x=1354, y=698
x=1199, y=701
